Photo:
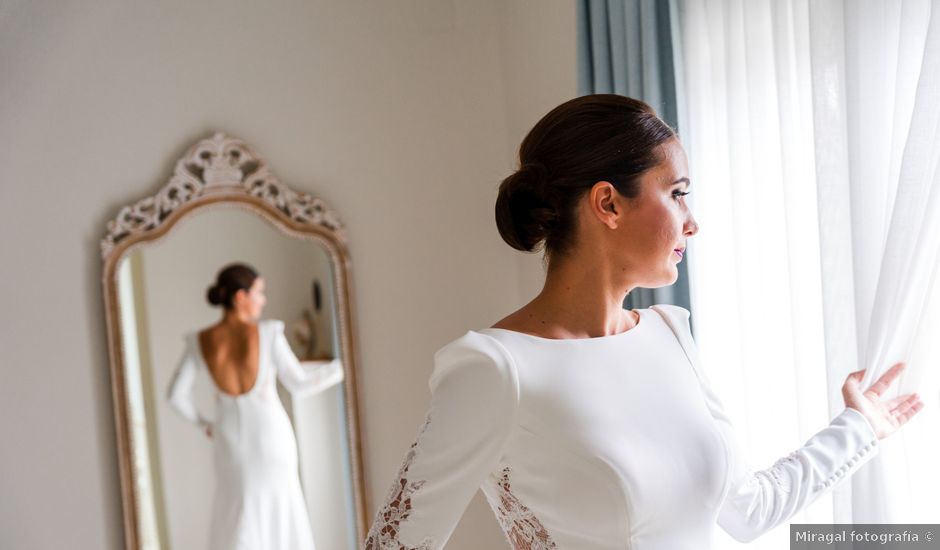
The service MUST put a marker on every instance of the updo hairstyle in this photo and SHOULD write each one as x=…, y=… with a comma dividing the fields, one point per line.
x=602, y=137
x=229, y=281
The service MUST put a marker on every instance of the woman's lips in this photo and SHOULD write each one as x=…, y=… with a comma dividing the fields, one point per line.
x=679, y=252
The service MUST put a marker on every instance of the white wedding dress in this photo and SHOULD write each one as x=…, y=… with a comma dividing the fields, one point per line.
x=614, y=442
x=258, y=503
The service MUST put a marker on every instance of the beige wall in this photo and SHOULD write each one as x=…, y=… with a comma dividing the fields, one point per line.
x=402, y=115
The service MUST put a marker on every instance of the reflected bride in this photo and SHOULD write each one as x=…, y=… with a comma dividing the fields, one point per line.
x=258, y=501
x=223, y=204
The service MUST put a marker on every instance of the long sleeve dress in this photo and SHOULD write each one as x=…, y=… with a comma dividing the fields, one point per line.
x=258, y=502
x=595, y=444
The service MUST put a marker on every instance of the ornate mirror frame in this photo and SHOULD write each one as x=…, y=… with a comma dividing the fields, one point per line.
x=223, y=169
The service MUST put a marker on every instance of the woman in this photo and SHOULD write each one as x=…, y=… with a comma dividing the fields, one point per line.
x=258, y=502
x=588, y=426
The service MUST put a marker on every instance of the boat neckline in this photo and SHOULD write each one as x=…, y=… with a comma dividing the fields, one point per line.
x=631, y=330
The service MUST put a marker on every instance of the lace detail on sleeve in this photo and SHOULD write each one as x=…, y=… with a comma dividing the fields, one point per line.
x=522, y=528
x=397, y=508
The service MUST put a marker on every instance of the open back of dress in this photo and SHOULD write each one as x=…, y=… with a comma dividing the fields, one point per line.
x=258, y=500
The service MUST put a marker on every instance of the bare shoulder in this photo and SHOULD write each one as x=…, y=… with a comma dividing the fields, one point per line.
x=207, y=333
x=518, y=320
x=528, y=320
x=210, y=332
x=208, y=340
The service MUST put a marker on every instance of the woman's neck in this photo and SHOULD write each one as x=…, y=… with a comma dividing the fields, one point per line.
x=235, y=319
x=581, y=302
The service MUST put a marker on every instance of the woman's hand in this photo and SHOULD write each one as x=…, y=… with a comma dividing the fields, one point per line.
x=884, y=416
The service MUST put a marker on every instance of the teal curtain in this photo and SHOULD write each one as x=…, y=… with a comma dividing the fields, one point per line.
x=625, y=47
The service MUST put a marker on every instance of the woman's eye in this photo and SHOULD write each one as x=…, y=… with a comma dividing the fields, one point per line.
x=676, y=194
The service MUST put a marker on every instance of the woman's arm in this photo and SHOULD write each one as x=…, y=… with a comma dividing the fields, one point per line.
x=298, y=381
x=180, y=391
x=474, y=394
x=757, y=501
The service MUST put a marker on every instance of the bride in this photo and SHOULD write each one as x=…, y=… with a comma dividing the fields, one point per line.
x=258, y=501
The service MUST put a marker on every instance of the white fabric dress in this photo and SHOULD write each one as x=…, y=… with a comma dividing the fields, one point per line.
x=597, y=444
x=258, y=502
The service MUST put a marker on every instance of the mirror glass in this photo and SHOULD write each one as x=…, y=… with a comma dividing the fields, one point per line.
x=162, y=288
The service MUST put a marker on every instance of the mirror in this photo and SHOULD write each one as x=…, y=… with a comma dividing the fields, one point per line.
x=183, y=488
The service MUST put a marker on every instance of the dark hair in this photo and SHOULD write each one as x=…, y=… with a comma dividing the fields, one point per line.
x=228, y=282
x=603, y=137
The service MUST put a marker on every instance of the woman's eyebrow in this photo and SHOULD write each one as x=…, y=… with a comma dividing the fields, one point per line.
x=681, y=180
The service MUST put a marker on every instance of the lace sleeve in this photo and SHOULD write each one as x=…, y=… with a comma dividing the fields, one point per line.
x=757, y=501
x=180, y=392
x=474, y=394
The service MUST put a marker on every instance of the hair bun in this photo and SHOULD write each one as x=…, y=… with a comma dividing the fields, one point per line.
x=229, y=281
x=536, y=175
x=525, y=213
x=214, y=295
x=530, y=186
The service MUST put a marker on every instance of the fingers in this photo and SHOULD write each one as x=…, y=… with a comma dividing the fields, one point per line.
x=853, y=379
x=886, y=379
x=909, y=412
x=894, y=403
x=907, y=408
x=857, y=375
x=902, y=404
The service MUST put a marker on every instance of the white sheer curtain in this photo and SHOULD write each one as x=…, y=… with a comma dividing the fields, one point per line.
x=812, y=133
x=876, y=79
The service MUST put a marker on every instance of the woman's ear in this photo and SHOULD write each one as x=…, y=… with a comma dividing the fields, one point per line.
x=602, y=200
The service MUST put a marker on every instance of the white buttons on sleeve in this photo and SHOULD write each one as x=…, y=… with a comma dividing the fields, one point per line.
x=845, y=468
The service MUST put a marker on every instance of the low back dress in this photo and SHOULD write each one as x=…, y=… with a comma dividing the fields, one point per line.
x=258, y=502
x=612, y=442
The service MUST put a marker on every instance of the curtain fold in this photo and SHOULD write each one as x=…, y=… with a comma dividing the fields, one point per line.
x=813, y=133
x=876, y=88
x=625, y=47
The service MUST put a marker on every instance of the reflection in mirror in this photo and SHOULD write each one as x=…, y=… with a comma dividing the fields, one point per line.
x=190, y=485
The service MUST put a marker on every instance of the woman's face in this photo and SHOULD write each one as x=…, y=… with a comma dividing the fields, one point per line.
x=250, y=303
x=656, y=223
